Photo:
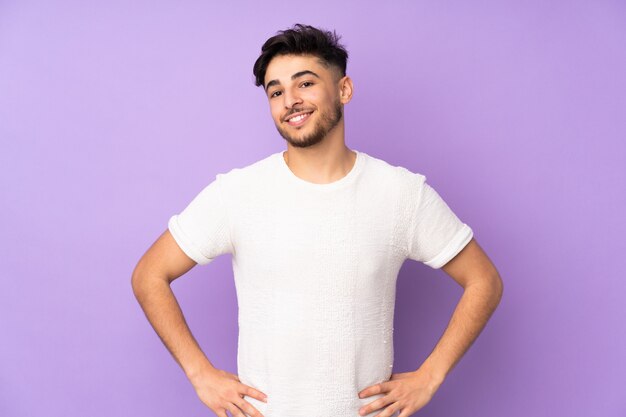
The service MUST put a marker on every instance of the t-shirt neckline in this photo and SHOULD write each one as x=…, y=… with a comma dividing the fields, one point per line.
x=346, y=179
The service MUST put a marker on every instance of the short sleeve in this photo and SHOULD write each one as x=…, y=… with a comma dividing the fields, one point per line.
x=202, y=229
x=436, y=234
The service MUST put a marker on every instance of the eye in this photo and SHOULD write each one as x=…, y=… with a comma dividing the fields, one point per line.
x=307, y=82
x=274, y=94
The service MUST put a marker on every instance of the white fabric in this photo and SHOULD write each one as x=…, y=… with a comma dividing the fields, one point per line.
x=315, y=268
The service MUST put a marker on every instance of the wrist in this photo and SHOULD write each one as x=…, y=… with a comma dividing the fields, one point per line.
x=435, y=376
x=198, y=373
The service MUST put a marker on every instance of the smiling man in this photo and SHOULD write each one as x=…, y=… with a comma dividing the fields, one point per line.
x=323, y=105
x=317, y=234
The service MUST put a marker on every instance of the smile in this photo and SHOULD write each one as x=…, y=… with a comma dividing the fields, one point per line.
x=298, y=120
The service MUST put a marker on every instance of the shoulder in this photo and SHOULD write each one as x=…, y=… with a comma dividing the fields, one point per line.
x=398, y=175
x=249, y=182
x=255, y=171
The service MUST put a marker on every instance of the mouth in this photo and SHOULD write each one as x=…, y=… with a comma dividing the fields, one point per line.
x=298, y=119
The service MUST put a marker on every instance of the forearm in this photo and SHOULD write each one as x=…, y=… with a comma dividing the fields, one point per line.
x=166, y=317
x=470, y=316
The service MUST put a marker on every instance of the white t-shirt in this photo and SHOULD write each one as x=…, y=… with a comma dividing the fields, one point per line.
x=315, y=269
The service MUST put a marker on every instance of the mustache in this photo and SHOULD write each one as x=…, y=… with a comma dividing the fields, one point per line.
x=294, y=111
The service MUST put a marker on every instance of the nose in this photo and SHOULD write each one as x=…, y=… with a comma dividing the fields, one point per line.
x=291, y=98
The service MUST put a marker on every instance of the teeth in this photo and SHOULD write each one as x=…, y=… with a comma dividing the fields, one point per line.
x=298, y=118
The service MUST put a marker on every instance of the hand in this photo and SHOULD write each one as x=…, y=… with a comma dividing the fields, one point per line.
x=221, y=390
x=406, y=391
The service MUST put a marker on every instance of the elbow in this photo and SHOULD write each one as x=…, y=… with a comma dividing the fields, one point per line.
x=140, y=281
x=145, y=279
x=137, y=282
x=491, y=288
x=497, y=286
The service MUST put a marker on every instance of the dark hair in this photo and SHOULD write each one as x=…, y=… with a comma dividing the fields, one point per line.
x=302, y=40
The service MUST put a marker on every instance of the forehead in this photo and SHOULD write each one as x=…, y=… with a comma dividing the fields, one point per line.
x=282, y=67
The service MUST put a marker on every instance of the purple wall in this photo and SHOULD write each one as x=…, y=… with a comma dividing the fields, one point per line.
x=112, y=117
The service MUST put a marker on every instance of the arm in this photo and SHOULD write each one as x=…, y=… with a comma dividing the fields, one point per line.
x=410, y=391
x=158, y=267
x=482, y=291
x=164, y=262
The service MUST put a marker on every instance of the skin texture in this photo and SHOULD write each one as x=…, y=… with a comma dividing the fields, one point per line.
x=316, y=152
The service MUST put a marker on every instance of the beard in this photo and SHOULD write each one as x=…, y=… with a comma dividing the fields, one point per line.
x=326, y=122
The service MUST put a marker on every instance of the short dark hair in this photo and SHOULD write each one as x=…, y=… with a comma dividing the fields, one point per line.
x=302, y=40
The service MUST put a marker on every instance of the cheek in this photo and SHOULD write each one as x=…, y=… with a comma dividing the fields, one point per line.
x=314, y=96
x=275, y=111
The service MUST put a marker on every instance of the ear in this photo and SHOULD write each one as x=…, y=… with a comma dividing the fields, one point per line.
x=345, y=89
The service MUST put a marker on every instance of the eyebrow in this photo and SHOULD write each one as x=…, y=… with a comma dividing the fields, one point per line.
x=293, y=77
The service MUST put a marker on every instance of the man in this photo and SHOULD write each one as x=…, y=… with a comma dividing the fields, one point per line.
x=317, y=235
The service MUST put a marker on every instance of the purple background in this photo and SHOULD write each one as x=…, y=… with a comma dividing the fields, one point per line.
x=114, y=115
